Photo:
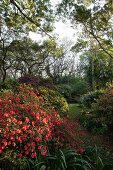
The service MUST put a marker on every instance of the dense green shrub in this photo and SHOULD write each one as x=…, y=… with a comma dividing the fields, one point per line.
x=71, y=92
x=54, y=99
x=91, y=97
x=89, y=121
x=78, y=86
x=99, y=118
x=9, y=84
x=103, y=109
x=65, y=90
x=72, y=88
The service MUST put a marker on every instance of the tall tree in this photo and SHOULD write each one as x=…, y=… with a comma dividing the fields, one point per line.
x=17, y=18
x=23, y=56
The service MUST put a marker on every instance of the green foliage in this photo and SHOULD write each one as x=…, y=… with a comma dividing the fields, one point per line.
x=97, y=24
x=27, y=15
x=110, y=85
x=71, y=88
x=78, y=87
x=96, y=67
x=99, y=117
x=103, y=109
x=68, y=159
x=54, y=99
x=95, y=20
x=52, y=47
x=80, y=45
x=99, y=158
x=65, y=90
x=91, y=97
x=9, y=84
x=93, y=158
x=65, y=159
x=88, y=120
x=87, y=117
x=22, y=56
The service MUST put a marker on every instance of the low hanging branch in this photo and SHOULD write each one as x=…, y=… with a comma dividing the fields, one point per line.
x=93, y=34
x=101, y=45
x=28, y=18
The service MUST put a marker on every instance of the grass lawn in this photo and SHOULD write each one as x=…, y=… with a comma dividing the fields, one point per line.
x=74, y=109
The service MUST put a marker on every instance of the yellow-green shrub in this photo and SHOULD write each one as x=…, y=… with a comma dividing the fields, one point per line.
x=54, y=99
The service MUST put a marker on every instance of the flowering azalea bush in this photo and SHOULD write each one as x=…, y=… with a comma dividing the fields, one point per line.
x=52, y=98
x=26, y=126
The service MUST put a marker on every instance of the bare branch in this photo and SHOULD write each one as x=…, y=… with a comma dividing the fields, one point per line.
x=28, y=18
x=96, y=38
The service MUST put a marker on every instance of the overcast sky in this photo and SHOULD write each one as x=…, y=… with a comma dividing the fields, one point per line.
x=62, y=30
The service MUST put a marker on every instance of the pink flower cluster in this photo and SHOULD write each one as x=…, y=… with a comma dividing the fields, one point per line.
x=25, y=124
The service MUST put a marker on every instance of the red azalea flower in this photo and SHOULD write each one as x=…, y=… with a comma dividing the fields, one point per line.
x=37, y=139
x=4, y=142
x=33, y=155
x=26, y=147
x=25, y=128
x=12, y=138
x=26, y=119
x=6, y=128
x=13, y=132
x=18, y=131
x=20, y=155
x=23, y=108
x=39, y=147
x=26, y=152
x=45, y=120
x=44, y=153
x=19, y=122
x=6, y=114
x=30, y=131
x=33, y=144
x=12, y=112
